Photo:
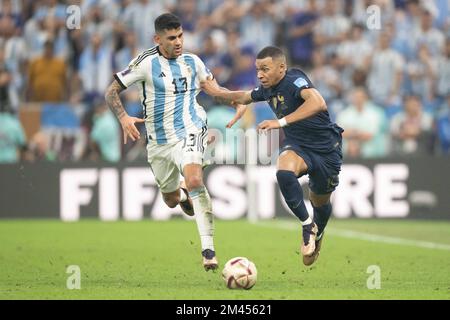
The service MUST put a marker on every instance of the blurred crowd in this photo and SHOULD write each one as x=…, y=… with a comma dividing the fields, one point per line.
x=383, y=66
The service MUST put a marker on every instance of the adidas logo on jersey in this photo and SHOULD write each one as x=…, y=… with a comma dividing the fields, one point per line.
x=162, y=74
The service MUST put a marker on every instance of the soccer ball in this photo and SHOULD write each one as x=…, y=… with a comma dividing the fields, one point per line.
x=239, y=273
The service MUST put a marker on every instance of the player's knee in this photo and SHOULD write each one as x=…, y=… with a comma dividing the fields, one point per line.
x=194, y=182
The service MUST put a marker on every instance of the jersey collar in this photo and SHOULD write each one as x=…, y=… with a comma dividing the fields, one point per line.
x=160, y=53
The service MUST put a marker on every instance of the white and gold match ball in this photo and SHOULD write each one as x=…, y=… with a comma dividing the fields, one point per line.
x=239, y=273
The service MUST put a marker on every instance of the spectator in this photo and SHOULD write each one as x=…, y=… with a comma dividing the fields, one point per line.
x=286, y=9
x=95, y=68
x=443, y=72
x=99, y=24
x=406, y=23
x=443, y=127
x=129, y=51
x=233, y=48
x=5, y=81
x=47, y=77
x=7, y=10
x=257, y=27
x=219, y=63
x=105, y=134
x=214, y=59
x=194, y=25
x=243, y=75
x=230, y=12
x=355, y=51
x=422, y=74
x=14, y=55
x=40, y=148
x=427, y=35
x=12, y=136
x=331, y=28
x=408, y=20
x=301, y=37
x=188, y=13
x=48, y=22
x=365, y=125
x=325, y=77
x=138, y=17
x=442, y=13
x=411, y=128
x=385, y=75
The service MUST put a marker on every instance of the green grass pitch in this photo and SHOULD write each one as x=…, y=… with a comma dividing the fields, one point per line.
x=161, y=260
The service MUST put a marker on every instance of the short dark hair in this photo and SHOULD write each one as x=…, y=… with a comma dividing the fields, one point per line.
x=167, y=21
x=270, y=51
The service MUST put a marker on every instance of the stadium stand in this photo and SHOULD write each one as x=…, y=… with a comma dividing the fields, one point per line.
x=407, y=55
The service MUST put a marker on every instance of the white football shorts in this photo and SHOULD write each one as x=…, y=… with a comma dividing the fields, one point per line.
x=168, y=160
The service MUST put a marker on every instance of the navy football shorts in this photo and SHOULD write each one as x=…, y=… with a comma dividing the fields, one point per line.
x=323, y=168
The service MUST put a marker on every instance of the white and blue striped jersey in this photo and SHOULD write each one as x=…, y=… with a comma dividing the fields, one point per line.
x=168, y=90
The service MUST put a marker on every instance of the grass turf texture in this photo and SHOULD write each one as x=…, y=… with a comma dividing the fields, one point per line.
x=161, y=260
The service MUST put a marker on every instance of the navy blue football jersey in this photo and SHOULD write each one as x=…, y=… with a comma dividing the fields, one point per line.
x=316, y=133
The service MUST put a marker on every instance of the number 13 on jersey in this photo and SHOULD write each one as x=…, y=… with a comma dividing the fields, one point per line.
x=180, y=85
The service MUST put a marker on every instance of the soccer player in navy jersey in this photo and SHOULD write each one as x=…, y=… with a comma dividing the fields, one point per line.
x=312, y=142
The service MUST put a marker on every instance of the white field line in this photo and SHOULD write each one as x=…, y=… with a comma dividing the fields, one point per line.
x=351, y=234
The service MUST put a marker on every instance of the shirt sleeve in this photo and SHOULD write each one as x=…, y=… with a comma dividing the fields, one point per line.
x=132, y=74
x=258, y=94
x=301, y=83
x=203, y=72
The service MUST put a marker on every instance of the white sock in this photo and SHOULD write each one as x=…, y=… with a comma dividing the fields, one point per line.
x=307, y=221
x=203, y=217
x=183, y=196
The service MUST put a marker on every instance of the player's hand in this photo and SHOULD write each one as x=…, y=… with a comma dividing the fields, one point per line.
x=210, y=140
x=210, y=86
x=267, y=125
x=240, y=110
x=129, y=128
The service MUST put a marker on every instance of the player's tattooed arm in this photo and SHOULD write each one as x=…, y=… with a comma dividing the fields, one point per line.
x=128, y=123
x=211, y=87
x=222, y=100
x=227, y=100
x=239, y=97
x=113, y=100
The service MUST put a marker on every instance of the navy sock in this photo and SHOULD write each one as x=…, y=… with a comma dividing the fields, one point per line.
x=292, y=193
x=321, y=216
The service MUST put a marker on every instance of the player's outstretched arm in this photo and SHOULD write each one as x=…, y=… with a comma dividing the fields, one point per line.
x=128, y=123
x=211, y=87
x=314, y=103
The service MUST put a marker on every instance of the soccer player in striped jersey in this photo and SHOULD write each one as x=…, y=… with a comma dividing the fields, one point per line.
x=169, y=81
